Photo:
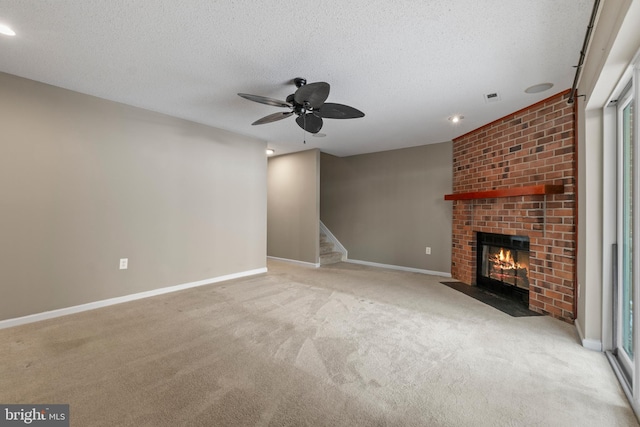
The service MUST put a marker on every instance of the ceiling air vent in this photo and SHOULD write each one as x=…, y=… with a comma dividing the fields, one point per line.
x=492, y=97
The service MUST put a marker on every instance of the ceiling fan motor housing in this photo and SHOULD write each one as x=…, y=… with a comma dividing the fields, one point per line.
x=296, y=107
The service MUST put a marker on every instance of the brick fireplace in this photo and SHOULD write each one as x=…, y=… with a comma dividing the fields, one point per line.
x=532, y=150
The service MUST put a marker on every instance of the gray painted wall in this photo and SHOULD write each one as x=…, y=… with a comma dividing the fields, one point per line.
x=85, y=182
x=293, y=216
x=388, y=207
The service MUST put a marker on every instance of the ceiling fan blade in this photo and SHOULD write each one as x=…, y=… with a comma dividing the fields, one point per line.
x=312, y=95
x=265, y=100
x=272, y=118
x=309, y=122
x=330, y=110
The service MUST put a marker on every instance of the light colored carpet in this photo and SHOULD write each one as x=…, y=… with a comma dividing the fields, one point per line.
x=342, y=345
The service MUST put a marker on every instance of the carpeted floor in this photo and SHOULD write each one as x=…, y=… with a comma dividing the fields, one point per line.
x=342, y=345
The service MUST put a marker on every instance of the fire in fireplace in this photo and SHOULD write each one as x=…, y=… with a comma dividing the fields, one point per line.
x=503, y=264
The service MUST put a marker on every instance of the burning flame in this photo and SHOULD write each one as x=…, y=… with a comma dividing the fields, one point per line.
x=504, y=260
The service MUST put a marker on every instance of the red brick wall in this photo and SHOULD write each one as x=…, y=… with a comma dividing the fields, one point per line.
x=532, y=146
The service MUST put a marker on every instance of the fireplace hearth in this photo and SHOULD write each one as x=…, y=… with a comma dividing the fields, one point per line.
x=503, y=264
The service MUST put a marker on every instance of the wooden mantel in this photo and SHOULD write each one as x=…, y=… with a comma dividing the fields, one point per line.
x=531, y=190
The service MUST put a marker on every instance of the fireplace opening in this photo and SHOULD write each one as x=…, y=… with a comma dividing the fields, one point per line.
x=503, y=264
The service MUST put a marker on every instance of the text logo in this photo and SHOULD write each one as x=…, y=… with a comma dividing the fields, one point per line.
x=34, y=415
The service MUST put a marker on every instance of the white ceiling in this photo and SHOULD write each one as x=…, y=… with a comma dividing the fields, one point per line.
x=407, y=64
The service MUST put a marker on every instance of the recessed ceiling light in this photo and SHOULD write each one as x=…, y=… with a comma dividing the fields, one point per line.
x=539, y=88
x=270, y=152
x=4, y=29
x=456, y=118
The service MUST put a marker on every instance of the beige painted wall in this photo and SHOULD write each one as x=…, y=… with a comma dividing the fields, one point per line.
x=293, y=226
x=615, y=40
x=85, y=182
x=388, y=207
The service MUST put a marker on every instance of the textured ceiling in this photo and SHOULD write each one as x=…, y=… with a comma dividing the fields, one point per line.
x=408, y=65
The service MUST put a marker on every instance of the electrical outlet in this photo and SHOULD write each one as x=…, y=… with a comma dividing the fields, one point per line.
x=428, y=250
x=124, y=263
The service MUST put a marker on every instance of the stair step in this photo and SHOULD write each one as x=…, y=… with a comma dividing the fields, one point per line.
x=330, y=258
x=326, y=247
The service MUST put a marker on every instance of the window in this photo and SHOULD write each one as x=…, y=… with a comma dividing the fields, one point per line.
x=624, y=351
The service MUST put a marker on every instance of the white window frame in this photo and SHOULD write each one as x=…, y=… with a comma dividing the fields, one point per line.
x=610, y=216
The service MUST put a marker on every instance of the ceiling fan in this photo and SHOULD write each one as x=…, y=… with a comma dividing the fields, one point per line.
x=308, y=104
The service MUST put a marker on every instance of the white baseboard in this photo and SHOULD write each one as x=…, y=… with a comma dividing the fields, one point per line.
x=399, y=267
x=294, y=261
x=590, y=344
x=118, y=300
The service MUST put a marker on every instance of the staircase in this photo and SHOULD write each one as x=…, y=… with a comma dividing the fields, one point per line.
x=328, y=254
